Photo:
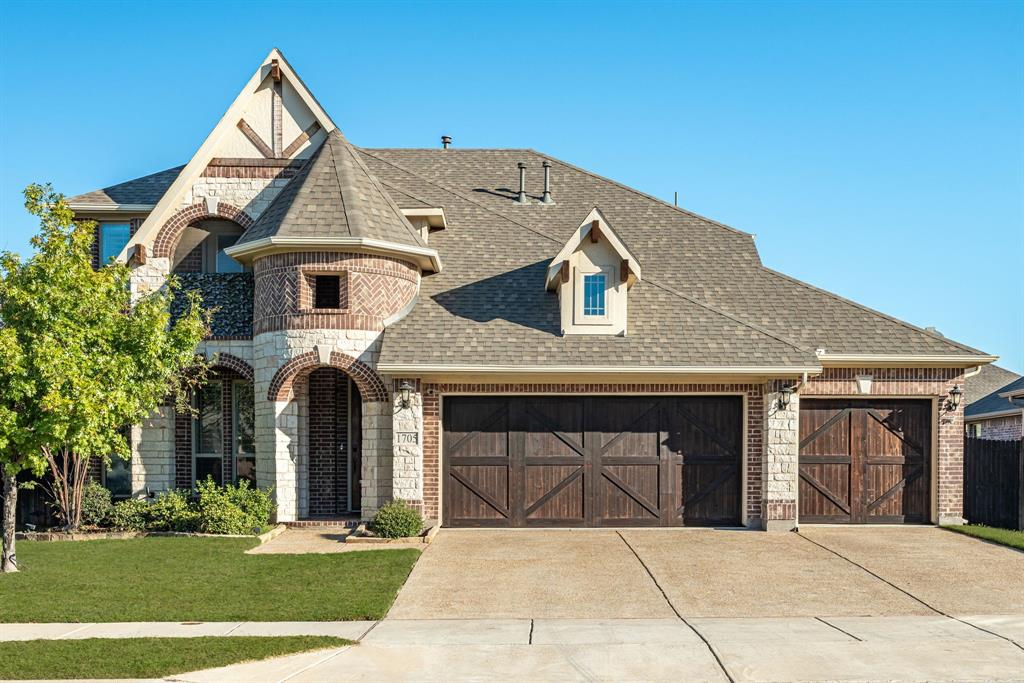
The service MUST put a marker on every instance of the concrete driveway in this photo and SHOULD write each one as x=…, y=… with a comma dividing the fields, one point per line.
x=656, y=573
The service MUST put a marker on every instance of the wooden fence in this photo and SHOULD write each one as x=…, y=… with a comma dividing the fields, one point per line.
x=994, y=483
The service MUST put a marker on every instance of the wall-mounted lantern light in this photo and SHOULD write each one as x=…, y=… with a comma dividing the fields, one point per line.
x=405, y=392
x=785, y=394
x=955, y=394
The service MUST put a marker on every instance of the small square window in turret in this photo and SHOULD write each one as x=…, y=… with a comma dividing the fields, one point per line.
x=327, y=291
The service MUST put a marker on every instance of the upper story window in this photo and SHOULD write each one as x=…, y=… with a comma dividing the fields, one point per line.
x=221, y=261
x=327, y=291
x=201, y=248
x=113, y=237
x=593, y=295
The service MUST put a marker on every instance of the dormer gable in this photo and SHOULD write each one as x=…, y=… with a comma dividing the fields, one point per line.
x=592, y=275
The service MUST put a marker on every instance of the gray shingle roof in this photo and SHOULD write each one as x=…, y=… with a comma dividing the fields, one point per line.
x=145, y=190
x=701, y=262
x=989, y=379
x=992, y=402
x=334, y=195
x=706, y=299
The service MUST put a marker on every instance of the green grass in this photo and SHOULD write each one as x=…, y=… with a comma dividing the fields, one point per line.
x=197, y=579
x=1007, y=537
x=143, y=657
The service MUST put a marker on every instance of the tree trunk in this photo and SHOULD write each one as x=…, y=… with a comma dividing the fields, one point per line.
x=7, y=560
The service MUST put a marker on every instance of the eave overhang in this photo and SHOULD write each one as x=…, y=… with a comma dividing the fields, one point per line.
x=426, y=258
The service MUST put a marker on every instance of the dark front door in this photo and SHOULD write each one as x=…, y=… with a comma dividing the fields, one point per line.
x=334, y=444
x=592, y=461
x=865, y=461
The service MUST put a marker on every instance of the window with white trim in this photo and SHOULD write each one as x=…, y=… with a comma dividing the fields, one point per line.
x=594, y=286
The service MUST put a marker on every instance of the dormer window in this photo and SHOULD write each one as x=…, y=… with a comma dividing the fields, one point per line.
x=592, y=275
x=593, y=295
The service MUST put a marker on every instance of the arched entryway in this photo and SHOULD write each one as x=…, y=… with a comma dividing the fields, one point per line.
x=334, y=438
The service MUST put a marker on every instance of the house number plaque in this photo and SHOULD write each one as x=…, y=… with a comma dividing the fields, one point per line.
x=408, y=438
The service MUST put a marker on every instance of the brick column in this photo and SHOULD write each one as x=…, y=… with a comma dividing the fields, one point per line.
x=407, y=434
x=781, y=460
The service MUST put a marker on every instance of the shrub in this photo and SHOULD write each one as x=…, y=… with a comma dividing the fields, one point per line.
x=397, y=520
x=233, y=509
x=129, y=515
x=172, y=511
x=96, y=505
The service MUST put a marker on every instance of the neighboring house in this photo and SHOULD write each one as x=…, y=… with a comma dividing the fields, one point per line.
x=994, y=407
x=504, y=339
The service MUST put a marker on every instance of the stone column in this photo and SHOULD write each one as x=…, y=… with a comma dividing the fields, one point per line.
x=377, y=456
x=781, y=477
x=407, y=433
x=152, y=463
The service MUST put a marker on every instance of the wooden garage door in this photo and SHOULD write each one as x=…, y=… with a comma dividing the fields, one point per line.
x=592, y=461
x=865, y=461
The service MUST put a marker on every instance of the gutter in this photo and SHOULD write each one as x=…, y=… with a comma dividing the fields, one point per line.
x=992, y=415
x=882, y=360
x=112, y=208
x=397, y=368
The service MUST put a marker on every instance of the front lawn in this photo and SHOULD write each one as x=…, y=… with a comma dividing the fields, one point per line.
x=143, y=657
x=197, y=579
x=1008, y=537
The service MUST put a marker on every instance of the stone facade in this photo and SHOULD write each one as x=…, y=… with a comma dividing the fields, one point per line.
x=408, y=435
x=782, y=451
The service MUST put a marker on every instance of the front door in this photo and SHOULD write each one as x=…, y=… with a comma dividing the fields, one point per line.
x=334, y=444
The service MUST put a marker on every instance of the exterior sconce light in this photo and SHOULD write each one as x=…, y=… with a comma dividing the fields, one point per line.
x=955, y=394
x=785, y=394
x=405, y=391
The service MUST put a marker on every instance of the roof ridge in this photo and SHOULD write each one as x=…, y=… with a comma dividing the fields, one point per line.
x=714, y=309
x=644, y=194
x=377, y=185
x=886, y=316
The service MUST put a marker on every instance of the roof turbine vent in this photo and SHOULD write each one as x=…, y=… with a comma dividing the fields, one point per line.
x=547, y=183
x=522, y=183
x=446, y=141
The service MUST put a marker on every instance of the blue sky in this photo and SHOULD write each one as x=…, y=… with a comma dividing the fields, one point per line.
x=875, y=149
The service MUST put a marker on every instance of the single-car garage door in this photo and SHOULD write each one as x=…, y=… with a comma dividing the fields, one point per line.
x=592, y=461
x=865, y=461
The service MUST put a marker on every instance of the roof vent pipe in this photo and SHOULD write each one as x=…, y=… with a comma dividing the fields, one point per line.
x=446, y=140
x=547, y=183
x=522, y=183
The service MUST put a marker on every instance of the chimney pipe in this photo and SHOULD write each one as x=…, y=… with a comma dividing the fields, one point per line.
x=522, y=183
x=547, y=183
x=446, y=140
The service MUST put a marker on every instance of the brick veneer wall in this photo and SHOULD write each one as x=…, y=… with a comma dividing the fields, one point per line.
x=432, y=393
x=374, y=289
x=911, y=382
x=1001, y=428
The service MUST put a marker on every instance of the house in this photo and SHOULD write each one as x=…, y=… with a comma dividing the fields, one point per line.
x=504, y=339
x=991, y=411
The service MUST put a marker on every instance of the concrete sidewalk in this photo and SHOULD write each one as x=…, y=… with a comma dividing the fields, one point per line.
x=904, y=648
x=910, y=648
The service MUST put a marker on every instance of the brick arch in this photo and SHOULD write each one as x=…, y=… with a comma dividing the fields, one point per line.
x=371, y=386
x=226, y=360
x=167, y=239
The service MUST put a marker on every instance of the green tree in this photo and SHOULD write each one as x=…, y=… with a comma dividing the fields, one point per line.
x=81, y=359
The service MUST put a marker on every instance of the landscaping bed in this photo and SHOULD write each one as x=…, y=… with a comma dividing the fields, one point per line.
x=144, y=657
x=1007, y=537
x=197, y=579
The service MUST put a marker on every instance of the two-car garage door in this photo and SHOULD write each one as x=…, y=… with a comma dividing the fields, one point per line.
x=592, y=460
